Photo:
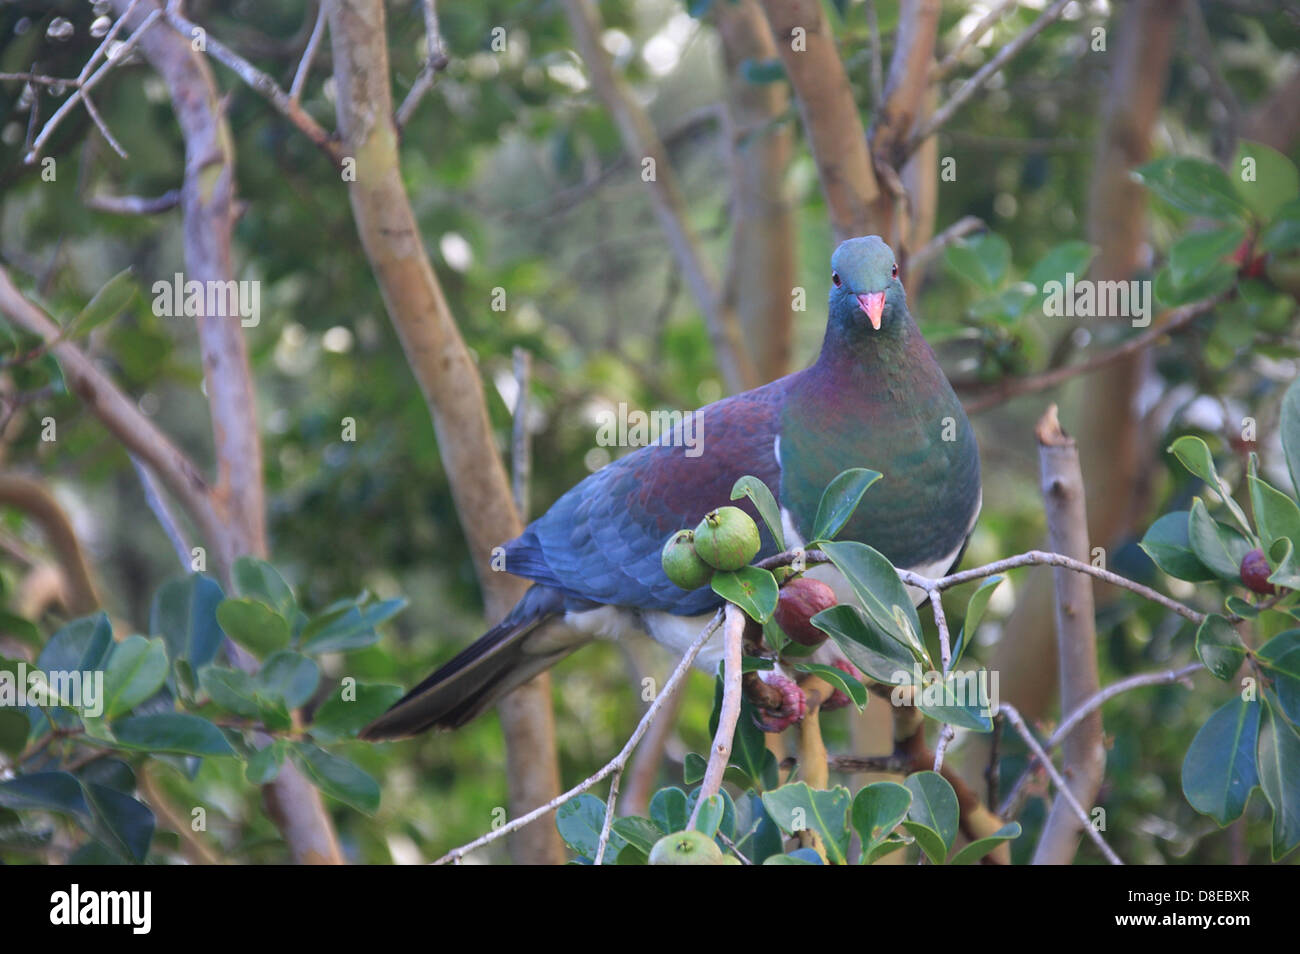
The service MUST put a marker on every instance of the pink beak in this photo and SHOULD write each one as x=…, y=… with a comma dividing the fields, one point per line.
x=874, y=306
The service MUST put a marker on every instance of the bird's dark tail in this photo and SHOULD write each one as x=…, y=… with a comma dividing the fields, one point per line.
x=498, y=661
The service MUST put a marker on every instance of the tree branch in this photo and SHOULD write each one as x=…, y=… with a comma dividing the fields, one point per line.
x=1076, y=635
x=830, y=117
x=447, y=375
x=33, y=499
x=641, y=140
x=982, y=76
x=720, y=753
x=616, y=764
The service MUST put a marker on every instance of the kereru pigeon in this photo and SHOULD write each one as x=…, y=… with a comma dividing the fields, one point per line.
x=875, y=398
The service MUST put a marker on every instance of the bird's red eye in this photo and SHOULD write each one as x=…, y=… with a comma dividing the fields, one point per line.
x=835, y=277
x=895, y=275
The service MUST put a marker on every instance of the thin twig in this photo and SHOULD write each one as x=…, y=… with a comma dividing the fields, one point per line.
x=308, y=55
x=616, y=764
x=158, y=504
x=1015, y=719
x=89, y=82
x=968, y=89
x=953, y=59
x=103, y=127
x=1160, y=678
x=959, y=229
x=134, y=204
x=434, y=64
x=610, y=804
x=262, y=84
x=1179, y=318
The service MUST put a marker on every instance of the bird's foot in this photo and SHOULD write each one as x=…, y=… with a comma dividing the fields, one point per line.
x=792, y=708
x=838, y=699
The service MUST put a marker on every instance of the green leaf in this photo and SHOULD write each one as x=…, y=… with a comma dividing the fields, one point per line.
x=1218, y=546
x=877, y=810
x=710, y=816
x=1284, y=556
x=881, y=592
x=1291, y=431
x=1283, y=233
x=14, y=730
x=959, y=699
x=1276, y=514
x=231, y=689
x=764, y=503
x=978, y=849
x=257, y=579
x=44, y=791
x=184, y=615
x=1193, y=185
x=797, y=807
x=254, y=625
x=1219, y=646
x=975, y=607
x=840, y=498
x=1280, y=658
x=934, y=808
x=1219, y=768
x=337, y=777
x=1168, y=545
x=752, y=589
x=124, y=825
x=641, y=833
x=693, y=767
x=109, y=302
x=669, y=810
x=136, y=669
x=877, y=655
x=1195, y=455
x=981, y=260
x=80, y=646
x=1279, y=777
x=349, y=627
x=1068, y=258
x=264, y=767
x=840, y=680
x=289, y=677
x=340, y=718
x=1195, y=254
x=1264, y=178
x=176, y=732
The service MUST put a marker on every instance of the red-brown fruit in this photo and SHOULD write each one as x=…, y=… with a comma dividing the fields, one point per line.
x=1255, y=572
x=800, y=601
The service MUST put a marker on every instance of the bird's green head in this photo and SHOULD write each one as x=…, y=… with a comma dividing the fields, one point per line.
x=864, y=283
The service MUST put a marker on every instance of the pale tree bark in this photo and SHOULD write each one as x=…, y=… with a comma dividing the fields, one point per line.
x=761, y=272
x=643, y=145
x=207, y=195
x=830, y=118
x=447, y=378
x=1084, y=751
x=1110, y=436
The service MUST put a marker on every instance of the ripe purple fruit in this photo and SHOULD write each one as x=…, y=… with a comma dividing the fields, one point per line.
x=1255, y=572
x=801, y=599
